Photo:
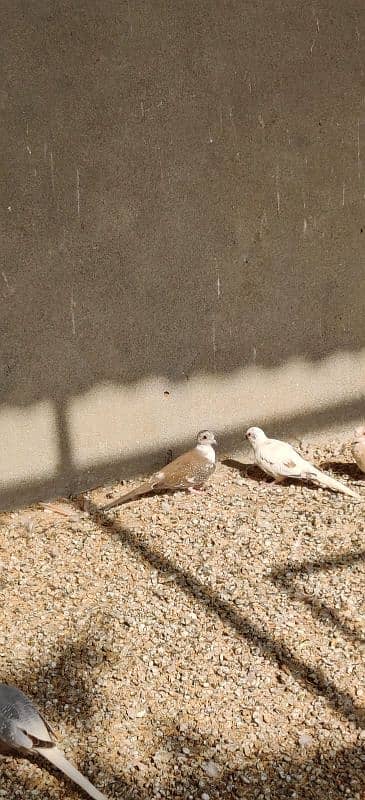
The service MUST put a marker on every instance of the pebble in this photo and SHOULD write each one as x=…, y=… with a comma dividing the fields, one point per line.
x=305, y=740
x=211, y=769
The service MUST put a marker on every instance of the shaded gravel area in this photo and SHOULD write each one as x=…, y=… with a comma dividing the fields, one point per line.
x=207, y=646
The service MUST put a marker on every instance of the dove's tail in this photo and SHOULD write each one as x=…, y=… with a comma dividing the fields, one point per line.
x=57, y=758
x=323, y=479
x=137, y=492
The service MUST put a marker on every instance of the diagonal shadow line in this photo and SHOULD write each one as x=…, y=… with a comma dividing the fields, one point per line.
x=323, y=612
x=283, y=578
x=312, y=678
x=77, y=479
x=319, y=564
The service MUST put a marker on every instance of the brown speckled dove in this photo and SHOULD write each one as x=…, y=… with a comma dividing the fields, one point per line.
x=281, y=461
x=358, y=447
x=189, y=471
x=23, y=728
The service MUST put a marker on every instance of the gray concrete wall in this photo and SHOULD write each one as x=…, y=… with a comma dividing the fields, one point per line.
x=182, y=210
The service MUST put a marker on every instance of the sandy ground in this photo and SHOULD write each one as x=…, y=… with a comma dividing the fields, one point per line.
x=207, y=646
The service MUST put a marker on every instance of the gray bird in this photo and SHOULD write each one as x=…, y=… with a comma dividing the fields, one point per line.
x=23, y=728
x=189, y=471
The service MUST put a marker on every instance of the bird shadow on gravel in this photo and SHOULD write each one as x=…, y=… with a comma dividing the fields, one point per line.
x=284, y=579
x=343, y=468
x=248, y=470
x=312, y=678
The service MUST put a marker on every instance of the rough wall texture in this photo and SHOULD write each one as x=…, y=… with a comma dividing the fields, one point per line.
x=182, y=210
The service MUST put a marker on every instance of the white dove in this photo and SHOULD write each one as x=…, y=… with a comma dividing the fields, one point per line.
x=358, y=448
x=280, y=460
x=23, y=728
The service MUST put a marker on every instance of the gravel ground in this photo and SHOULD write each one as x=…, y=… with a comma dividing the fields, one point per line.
x=207, y=646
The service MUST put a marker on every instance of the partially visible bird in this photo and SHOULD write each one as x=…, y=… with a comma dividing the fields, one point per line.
x=358, y=447
x=189, y=471
x=23, y=728
x=280, y=460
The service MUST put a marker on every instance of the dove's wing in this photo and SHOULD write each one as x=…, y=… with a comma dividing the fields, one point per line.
x=280, y=459
x=21, y=725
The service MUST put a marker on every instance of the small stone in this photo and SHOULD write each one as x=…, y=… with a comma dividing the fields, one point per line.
x=211, y=769
x=305, y=740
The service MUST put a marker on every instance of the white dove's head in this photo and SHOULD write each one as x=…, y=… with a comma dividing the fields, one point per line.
x=360, y=433
x=255, y=436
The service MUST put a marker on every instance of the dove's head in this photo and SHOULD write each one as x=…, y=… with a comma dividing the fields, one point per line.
x=206, y=437
x=359, y=433
x=255, y=436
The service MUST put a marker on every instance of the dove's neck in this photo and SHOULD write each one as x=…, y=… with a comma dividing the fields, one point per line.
x=207, y=451
x=259, y=441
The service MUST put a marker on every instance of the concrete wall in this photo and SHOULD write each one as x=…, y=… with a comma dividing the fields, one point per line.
x=182, y=210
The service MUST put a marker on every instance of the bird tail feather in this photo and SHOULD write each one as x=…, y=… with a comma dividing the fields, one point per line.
x=124, y=498
x=331, y=483
x=59, y=760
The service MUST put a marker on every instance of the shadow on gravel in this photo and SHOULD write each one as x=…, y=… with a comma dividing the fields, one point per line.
x=284, y=579
x=67, y=678
x=312, y=678
x=343, y=468
x=306, y=774
x=248, y=470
